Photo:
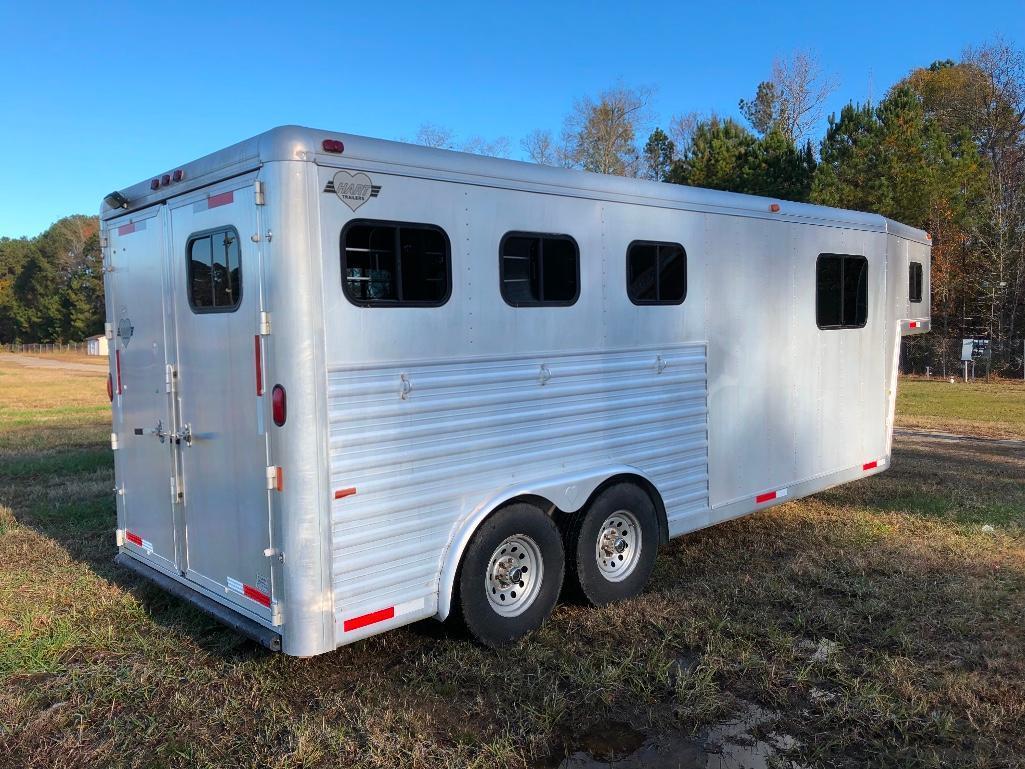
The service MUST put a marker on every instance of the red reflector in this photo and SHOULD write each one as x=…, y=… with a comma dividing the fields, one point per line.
x=110, y=387
x=279, y=405
x=154, y=184
x=165, y=180
x=368, y=619
x=220, y=200
x=178, y=175
x=256, y=595
x=870, y=466
x=343, y=493
x=117, y=368
x=913, y=324
x=332, y=145
x=766, y=497
x=774, y=208
x=135, y=539
x=258, y=357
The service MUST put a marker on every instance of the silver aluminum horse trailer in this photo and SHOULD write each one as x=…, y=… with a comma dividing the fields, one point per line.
x=358, y=383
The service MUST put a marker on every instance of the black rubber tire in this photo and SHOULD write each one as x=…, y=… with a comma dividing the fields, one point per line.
x=582, y=572
x=481, y=620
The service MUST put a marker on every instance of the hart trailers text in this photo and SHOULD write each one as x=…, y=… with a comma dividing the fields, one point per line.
x=358, y=383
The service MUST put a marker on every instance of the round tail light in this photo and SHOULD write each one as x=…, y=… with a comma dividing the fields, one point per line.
x=279, y=405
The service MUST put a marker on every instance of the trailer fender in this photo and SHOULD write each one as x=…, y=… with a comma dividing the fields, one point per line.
x=567, y=492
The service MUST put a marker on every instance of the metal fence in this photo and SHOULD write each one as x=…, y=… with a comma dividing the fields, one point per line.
x=47, y=347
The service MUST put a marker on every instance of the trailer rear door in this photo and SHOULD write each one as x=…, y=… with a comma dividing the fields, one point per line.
x=217, y=278
x=137, y=287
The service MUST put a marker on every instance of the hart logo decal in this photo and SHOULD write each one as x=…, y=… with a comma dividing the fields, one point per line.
x=353, y=189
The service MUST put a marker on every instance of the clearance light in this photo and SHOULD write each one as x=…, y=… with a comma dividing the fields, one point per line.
x=279, y=405
x=165, y=180
x=332, y=145
x=178, y=175
x=154, y=184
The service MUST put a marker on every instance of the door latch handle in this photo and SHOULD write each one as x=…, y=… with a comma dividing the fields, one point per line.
x=158, y=431
x=185, y=434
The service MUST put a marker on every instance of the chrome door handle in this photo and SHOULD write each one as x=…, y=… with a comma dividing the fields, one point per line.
x=185, y=434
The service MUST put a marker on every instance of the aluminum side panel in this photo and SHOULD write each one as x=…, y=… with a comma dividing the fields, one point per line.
x=423, y=444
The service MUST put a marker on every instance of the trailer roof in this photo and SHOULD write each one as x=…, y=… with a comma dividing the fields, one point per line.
x=305, y=144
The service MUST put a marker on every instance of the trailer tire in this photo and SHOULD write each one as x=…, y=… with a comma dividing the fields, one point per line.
x=510, y=575
x=611, y=545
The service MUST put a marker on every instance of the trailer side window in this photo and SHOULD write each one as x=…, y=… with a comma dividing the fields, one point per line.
x=395, y=264
x=214, y=270
x=539, y=270
x=841, y=291
x=656, y=273
x=915, y=282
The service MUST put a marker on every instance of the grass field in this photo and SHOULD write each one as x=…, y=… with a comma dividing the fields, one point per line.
x=995, y=409
x=876, y=624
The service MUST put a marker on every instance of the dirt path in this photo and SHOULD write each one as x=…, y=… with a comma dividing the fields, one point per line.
x=66, y=365
x=932, y=435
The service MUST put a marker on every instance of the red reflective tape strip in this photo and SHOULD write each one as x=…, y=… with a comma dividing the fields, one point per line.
x=259, y=365
x=220, y=200
x=126, y=229
x=870, y=466
x=256, y=595
x=343, y=493
x=117, y=366
x=135, y=539
x=766, y=497
x=279, y=479
x=368, y=619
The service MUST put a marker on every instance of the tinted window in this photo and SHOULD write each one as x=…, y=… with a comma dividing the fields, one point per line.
x=214, y=271
x=841, y=291
x=391, y=264
x=539, y=269
x=656, y=273
x=915, y=282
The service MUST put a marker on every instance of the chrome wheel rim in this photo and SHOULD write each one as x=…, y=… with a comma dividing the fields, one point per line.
x=618, y=549
x=513, y=577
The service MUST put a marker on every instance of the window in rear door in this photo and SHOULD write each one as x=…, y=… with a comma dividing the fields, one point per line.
x=214, y=270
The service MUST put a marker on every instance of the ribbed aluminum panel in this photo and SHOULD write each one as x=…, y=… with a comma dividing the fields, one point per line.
x=426, y=443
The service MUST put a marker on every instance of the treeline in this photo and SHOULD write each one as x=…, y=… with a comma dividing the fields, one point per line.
x=51, y=286
x=942, y=150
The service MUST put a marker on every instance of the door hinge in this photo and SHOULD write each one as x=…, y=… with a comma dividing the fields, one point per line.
x=275, y=478
x=273, y=552
x=258, y=195
x=113, y=441
x=119, y=536
x=108, y=330
x=176, y=492
x=264, y=323
x=103, y=241
x=169, y=375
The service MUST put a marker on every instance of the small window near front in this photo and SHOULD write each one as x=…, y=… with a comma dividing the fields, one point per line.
x=395, y=264
x=915, y=282
x=656, y=273
x=214, y=270
x=538, y=270
x=841, y=291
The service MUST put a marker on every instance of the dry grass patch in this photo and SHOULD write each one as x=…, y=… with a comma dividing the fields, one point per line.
x=878, y=623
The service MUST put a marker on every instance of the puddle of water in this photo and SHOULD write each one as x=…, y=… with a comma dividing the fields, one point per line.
x=729, y=744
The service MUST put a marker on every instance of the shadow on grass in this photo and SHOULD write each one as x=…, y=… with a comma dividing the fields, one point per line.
x=969, y=483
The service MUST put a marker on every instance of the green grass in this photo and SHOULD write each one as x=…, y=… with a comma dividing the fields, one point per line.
x=922, y=610
x=978, y=408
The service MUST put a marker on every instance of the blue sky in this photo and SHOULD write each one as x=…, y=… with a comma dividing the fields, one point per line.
x=99, y=96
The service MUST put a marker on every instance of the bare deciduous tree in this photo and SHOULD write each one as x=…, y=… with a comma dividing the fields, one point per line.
x=431, y=135
x=499, y=148
x=793, y=101
x=601, y=134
